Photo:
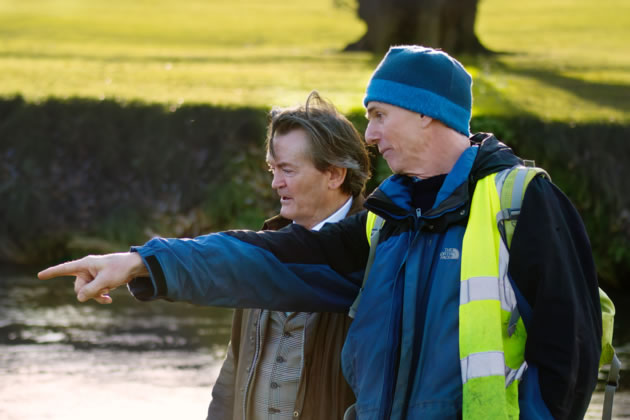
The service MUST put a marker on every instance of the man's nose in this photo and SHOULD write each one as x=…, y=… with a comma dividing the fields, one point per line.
x=277, y=181
x=371, y=134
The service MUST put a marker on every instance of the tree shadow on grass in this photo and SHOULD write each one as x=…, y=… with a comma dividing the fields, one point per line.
x=188, y=58
x=613, y=95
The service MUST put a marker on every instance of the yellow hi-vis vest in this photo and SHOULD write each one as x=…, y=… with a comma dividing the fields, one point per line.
x=492, y=358
x=491, y=332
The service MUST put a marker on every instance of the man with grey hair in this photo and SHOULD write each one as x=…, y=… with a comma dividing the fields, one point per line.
x=283, y=365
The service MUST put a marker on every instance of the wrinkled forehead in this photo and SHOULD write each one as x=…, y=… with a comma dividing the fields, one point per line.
x=372, y=105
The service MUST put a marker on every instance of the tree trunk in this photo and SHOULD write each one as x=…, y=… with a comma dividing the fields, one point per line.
x=445, y=24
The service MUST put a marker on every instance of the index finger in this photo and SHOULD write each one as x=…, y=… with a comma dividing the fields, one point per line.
x=71, y=268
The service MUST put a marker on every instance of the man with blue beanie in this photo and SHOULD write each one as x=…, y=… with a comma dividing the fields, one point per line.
x=461, y=314
x=425, y=81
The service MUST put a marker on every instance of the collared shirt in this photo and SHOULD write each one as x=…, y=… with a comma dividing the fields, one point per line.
x=336, y=216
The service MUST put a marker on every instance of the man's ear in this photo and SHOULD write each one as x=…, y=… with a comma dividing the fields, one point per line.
x=336, y=176
x=425, y=120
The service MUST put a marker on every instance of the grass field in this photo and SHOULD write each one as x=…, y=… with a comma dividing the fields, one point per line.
x=565, y=60
x=568, y=59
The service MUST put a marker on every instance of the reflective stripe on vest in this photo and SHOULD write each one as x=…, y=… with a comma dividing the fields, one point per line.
x=491, y=334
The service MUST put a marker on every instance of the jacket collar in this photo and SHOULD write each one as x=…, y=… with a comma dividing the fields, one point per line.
x=486, y=155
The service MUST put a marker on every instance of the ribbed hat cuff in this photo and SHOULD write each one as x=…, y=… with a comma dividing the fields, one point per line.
x=419, y=100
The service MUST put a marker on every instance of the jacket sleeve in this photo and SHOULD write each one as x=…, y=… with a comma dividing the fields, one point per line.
x=222, y=404
x=551, y=264
x=293, y=269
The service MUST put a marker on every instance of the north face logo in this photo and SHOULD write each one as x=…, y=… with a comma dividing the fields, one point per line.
x=449, y=254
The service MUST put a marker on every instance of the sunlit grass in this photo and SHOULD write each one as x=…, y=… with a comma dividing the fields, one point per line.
x=237, y=53
x=567, y=59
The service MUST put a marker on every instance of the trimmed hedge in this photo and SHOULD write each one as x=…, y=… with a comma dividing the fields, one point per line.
x=100, y=175
x=82, y=175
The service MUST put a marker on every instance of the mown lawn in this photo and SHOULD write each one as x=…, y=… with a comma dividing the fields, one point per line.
x=232, y=52
x=566, y=60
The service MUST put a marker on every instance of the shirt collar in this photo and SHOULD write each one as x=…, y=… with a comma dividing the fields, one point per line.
x=341, y=213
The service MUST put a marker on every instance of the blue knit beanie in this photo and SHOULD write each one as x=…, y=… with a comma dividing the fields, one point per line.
x=425, y=81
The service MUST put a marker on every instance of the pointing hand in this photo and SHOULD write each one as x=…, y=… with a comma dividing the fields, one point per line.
x=97, y=275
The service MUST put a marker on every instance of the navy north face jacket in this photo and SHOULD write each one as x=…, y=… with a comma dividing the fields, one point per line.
x=401, y=354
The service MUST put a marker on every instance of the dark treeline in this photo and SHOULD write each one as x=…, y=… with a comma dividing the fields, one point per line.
x=80, y=175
